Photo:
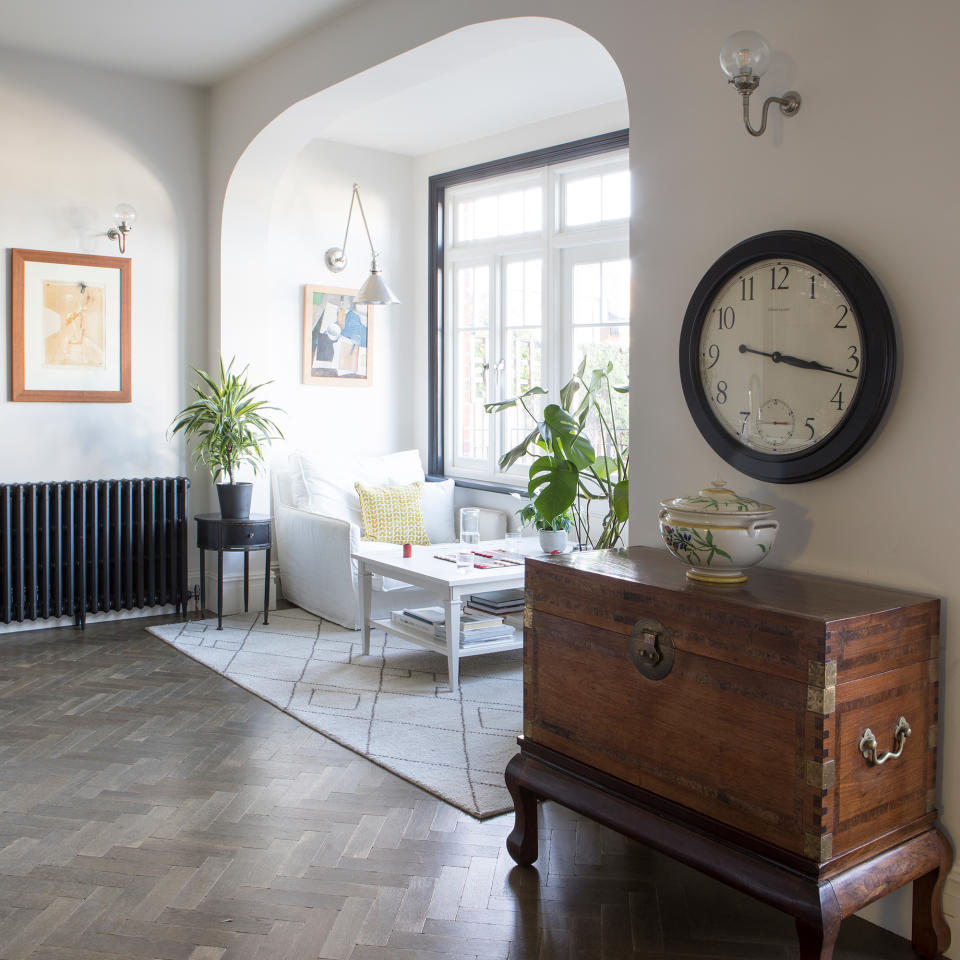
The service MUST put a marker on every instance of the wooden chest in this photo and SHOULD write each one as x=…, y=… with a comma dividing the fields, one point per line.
x=741, y=706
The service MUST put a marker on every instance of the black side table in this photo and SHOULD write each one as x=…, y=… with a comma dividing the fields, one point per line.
x=215, y=533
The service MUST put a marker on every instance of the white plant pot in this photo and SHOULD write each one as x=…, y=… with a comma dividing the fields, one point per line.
x=551, y=540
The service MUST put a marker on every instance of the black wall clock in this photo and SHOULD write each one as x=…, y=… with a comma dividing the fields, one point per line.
x=787, y=356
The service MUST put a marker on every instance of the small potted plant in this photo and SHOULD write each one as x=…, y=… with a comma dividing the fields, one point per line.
x=552, y=532
x=230, y=428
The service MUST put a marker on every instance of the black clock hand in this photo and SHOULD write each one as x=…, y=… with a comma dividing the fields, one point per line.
x=778, y=357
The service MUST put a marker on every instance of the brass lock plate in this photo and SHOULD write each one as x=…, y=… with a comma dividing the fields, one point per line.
x=651, y=648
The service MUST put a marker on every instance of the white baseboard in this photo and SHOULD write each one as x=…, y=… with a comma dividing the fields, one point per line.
x=233, y=591
x=51, y=623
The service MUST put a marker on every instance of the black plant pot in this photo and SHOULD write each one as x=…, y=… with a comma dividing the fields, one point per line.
x=235, y=500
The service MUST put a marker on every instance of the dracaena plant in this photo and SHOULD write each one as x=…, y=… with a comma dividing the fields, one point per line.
x=568, y=474
x=228, y=424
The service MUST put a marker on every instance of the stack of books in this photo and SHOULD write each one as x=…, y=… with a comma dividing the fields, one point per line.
x=497, y=602
x=426, y=618
x=473, y=627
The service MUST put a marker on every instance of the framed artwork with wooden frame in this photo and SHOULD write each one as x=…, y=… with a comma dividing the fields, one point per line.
x=70, y=337
x=337, y=338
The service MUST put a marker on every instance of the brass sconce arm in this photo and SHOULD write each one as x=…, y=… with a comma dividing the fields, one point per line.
x=789, y=104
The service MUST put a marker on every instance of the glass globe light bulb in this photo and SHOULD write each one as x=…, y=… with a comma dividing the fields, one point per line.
x=124, y=214
x=745, y=53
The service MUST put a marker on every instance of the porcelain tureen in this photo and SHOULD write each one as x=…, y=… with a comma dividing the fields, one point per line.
x=717, y=532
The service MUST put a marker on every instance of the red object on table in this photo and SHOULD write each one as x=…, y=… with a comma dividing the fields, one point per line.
x=407, y=550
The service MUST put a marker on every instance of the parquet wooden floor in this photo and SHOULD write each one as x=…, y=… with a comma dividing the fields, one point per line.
x=150, y=808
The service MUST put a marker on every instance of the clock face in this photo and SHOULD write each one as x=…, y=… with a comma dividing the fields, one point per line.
x=780, y=356
x=787, y=356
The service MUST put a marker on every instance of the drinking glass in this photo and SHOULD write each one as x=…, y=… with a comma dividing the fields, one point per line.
x=469, y=535
x=512, y=540
x=469, y=526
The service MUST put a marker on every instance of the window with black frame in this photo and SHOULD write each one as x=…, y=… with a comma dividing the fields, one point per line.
x=530, y=273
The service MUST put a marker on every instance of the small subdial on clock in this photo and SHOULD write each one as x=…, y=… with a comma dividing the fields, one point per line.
x=775, y=422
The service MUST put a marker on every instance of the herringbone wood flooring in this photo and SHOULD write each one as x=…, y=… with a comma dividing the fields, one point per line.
x=149, y=808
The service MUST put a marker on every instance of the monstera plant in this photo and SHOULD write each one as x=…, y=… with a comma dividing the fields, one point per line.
x=567, y=473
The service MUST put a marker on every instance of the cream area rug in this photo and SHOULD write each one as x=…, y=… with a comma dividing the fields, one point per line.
x=392, y=706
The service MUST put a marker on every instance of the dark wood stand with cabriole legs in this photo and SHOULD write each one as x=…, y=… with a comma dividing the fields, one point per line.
x=778, y=735
x=817, y=905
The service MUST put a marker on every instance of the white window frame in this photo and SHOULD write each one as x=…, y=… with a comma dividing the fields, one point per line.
x=558, y=247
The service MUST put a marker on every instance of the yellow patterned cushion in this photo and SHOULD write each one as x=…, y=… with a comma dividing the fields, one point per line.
x=393, y=514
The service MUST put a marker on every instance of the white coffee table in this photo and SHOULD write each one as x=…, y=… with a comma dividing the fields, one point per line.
x=450, y=585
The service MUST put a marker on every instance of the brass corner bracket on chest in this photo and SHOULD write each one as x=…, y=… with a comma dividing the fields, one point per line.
x=821, y=775
x=821, y=686
x=819, y=848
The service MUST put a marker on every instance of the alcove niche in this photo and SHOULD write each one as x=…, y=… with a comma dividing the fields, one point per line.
x=480, y=93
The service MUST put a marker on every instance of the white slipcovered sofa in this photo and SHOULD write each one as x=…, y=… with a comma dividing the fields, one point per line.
x=317, y=524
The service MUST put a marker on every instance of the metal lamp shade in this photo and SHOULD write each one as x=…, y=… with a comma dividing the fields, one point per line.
x=375, y=291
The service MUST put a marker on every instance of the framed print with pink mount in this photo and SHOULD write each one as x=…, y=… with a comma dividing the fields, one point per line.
x=70, y=332
x=336, y=338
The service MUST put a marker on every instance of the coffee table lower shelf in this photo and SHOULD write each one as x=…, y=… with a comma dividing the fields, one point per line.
x=424, y=639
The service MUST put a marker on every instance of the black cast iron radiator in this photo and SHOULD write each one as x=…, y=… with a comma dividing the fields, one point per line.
x=69, y=549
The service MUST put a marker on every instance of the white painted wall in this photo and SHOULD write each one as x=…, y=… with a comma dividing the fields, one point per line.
x=869, y=161
x=287, y=204
x=77, y=141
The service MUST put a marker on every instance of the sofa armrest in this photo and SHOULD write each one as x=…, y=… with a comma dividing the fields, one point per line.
x=493, y=523
x=316, y=570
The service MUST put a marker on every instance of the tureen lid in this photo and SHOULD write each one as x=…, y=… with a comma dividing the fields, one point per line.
x=717, y=499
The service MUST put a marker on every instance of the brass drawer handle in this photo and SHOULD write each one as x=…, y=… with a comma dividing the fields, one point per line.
x=868, y=744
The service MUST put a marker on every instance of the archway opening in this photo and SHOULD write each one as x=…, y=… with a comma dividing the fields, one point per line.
x=479, y=94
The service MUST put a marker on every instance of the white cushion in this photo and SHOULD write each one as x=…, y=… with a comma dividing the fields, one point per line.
x=325, y=484
x=438, y=511
x=398, y=468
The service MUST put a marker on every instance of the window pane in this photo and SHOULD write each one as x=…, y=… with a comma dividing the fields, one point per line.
x=472, y=306
x=616, y=291
x=486, y=218
x=522, y=370
x=463, y=217
x=601, y=292
x=587, y=293
x=596, y=199
x=601, y=333
x=499, y=215
x=616, y=195
x=473, y=433
x=602, y=345
x=522, y=302
x=511, y=213
x=532, y=210
x=583, y=201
